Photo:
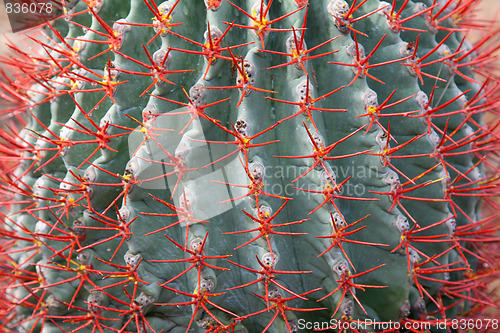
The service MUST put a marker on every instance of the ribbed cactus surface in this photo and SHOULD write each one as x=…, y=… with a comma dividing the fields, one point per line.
x=250, y=166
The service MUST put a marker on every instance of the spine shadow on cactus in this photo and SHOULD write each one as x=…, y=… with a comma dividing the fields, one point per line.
x=250, y=166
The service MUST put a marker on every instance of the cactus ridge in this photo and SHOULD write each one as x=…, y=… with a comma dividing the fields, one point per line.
x=250, y=166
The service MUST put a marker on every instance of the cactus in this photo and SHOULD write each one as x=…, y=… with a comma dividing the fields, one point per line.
x=250, y=166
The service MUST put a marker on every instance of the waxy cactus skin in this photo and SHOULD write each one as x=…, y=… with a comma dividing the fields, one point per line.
x=251, y=166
